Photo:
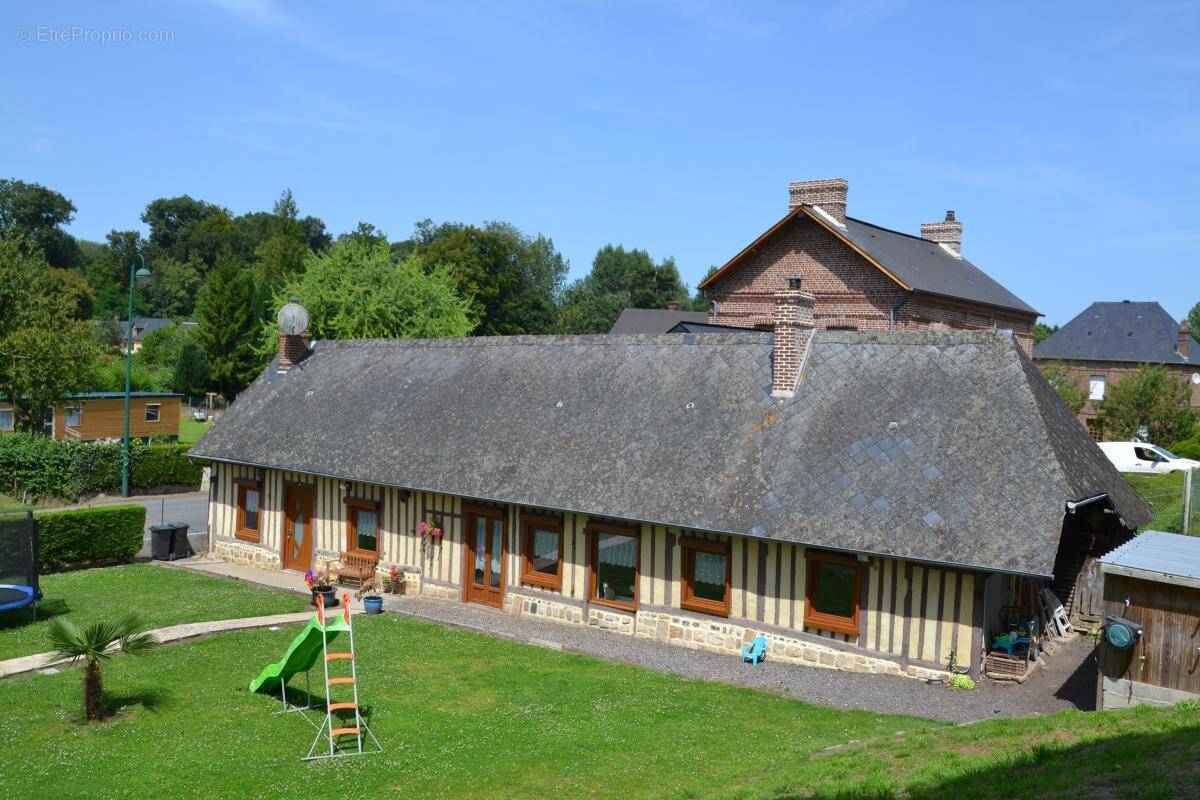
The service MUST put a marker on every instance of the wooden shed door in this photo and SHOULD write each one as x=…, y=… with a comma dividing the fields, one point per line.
x=485, y=557
x=297, y=527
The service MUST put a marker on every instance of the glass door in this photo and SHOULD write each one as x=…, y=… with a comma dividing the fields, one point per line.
x=485, y=556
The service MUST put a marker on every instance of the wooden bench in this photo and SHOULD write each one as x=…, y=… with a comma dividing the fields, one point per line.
x=356, y=567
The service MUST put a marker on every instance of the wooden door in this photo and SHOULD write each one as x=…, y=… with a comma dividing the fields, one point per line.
x=297, y=527
x=485, y=540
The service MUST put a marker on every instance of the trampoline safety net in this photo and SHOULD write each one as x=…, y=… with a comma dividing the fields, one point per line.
x=18, y=550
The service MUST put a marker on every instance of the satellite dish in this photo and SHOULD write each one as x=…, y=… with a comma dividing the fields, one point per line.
x=1196, y=378
x=293, y=318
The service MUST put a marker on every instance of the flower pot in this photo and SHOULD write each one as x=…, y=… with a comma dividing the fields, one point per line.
x=329, y=593
x=396, y=585
x=373, y=605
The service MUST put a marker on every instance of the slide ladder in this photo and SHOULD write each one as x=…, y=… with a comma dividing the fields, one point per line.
x=335, y=728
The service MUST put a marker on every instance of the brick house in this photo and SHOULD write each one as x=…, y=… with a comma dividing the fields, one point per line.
x=1109, y=340
x=697, y=488
x=863, y=277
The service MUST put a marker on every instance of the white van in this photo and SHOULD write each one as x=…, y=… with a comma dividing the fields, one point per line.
x=1147, y=459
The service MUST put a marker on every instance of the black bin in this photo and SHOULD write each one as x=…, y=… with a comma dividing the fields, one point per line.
x=160, y=541
x=180, y=546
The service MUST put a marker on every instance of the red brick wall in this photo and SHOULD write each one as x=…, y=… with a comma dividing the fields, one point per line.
x=1114, y=372
x=849, y=290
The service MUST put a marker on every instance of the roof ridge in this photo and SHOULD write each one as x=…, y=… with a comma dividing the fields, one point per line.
x=568, y=340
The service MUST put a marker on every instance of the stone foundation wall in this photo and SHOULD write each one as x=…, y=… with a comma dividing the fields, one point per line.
x=436, y=590
x=543, y=608
x=613, y=621
x=244, y=553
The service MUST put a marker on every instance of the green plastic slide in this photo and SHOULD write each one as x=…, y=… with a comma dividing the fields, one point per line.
x=303, y=652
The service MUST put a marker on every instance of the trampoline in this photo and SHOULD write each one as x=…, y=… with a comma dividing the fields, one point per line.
x=19, y=563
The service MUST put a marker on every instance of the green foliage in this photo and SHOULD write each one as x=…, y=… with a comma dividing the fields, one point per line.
x=619, y=279
x=1067, y=384
x=1151, y=399
x=1187, y=448
x=1194, y=321
x=35, y=466
x=90, y=535
x=963, y=682
x=171, y=292
x=187, y=229
x=229, y=323
x=108, y=375
x=45, y=352
x=1042, y=331
x=512, y=280
x=192, y=374
x=354, y=290
x=91, y=643
x=37, y=214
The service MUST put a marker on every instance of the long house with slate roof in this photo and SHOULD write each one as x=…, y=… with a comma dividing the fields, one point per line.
x=865, y=500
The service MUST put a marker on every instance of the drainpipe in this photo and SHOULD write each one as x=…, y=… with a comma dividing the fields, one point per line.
x=892, y=311
x=712, y=311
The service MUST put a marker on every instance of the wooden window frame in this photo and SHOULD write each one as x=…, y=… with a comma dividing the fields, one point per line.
x=530, y=523
x=157, y=412
x=67, y=416
x=595, y=528
x=830, y=622
x=687, y=600
x=241, y=531
x=353, y=506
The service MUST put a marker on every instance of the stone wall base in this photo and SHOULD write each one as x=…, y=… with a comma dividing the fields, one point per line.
x=542, y=608
x=245, y=554
x=438, y=591
x=1124, y=693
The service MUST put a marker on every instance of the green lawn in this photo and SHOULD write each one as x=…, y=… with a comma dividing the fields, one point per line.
x=463, y=715
x=160, y=595
x=1165, y=495
x=190, y=430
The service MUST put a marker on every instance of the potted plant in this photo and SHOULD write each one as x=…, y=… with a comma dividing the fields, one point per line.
x=430, y=534
x=369, y=594
x=321, y=583
x=395, y=580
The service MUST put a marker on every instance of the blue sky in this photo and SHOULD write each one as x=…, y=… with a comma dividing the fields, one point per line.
x=1065, y=135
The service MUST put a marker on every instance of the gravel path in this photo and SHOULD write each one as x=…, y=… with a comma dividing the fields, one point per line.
x=1067, y=681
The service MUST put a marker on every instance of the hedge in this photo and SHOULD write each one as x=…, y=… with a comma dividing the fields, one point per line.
x=34, y=466
x=90, y=535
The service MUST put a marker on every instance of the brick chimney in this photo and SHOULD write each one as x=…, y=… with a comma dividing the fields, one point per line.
x=293, y=334
x=792, y=318
x=1185, y=338
x=672, y=306
x=827, y=194
x=947, y=232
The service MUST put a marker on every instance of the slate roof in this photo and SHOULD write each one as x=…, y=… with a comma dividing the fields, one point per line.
x=654, y=320
x=931, y=446
x=142, y=326
x=919, y=264
x=1141, y=332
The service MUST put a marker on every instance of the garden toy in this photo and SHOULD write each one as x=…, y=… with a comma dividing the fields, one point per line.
x=19, y=562
x=301, y=656
x=755, y=652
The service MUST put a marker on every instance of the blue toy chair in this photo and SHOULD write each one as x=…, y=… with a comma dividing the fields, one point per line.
x=755, y=652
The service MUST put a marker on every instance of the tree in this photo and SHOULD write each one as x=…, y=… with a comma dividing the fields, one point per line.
x=228, y=326
x=37, y=214
x=45, y=352
x=1150, y=402
x=1066, y=383
x=92, y=643
x=189, y=230
x=172, y=291
x=108, y=275
x=1194, y=320
x=512, y=279
x=192, y=375
x=354, y=290
x=1042, y=331
x=620, y=279
x=283, y=250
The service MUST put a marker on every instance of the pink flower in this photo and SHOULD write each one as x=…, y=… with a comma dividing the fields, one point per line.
x=422, y=527
x=436, y=532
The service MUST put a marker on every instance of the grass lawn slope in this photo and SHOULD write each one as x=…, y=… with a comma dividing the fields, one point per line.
x=160, y=595
x=462, y=715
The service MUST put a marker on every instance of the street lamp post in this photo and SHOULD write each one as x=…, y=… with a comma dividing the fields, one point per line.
x=142, y=275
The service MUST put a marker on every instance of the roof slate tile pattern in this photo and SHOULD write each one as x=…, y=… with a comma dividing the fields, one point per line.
x=1141, y=332
x=654, y=320
x=932, y=446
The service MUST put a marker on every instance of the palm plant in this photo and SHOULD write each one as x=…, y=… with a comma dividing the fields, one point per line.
x=94, y=642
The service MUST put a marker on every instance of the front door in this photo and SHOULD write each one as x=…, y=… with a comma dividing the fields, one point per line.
x=297, y=527
x=485, y=557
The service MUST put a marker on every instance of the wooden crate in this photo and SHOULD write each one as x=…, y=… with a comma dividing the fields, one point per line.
x=1002, y=666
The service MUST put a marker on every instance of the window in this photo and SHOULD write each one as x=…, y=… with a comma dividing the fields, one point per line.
x=74, y=416
x=6, y=419
x=362, y=526
x=705, y=577
x=541, y=554
x=249, y=506
x=1094, y=428
x=1097, y=386
x=614, y=565
x=152, y=412
x=831, y=593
